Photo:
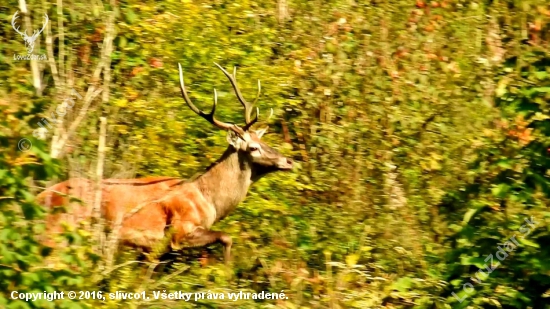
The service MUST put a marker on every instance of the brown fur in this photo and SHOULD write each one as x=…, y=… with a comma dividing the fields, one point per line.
x=148, y=206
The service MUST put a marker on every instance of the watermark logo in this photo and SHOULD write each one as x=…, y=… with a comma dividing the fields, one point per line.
x=61, y=110
x=24, y=144
x=29, y=40
x=502, y=253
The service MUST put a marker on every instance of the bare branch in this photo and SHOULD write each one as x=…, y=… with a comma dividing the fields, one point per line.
x=61, y=34
x=92, y=92
x=51, y=59
x=106, y=53
x=57, y=147
x=96, y=213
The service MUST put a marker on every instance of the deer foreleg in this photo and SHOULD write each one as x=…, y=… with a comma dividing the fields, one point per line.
x=201, y=237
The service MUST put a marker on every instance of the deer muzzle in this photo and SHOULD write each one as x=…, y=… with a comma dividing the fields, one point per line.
x=285, y=164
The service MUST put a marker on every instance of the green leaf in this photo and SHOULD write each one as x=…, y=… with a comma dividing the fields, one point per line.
x=529, y=243
x=403, y=284
x=500, y=190
x=468, y=216
x=456, y=282
x=541, y=75
x=476, y=261
x=505, y=163
x=122, y=42
x=130, y=16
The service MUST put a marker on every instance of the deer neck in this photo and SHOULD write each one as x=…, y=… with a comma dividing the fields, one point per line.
x=225, y=184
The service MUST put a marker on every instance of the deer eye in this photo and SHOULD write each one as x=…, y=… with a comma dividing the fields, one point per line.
x=253, y=148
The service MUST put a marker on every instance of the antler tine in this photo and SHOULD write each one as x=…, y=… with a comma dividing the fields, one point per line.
x=215, y=103
x=210, y=116
x=256, y=118
x=258, y=94
x=270, y=114
x=185, y=96
x=249, y=111
x=247, y=106
x=253, y=121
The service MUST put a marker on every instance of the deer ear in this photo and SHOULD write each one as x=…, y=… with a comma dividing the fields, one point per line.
x=233, y=139
x=261, y=132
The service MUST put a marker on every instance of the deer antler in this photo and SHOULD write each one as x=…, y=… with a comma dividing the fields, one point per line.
x=210, y=116
x=15, y=16
x=247, y=106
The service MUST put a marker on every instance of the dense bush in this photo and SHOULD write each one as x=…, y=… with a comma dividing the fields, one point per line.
x=420, y=132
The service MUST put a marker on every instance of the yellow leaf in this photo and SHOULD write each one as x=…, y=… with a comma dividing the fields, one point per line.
x=352, y=259
x=84, y=233
x=434, y=165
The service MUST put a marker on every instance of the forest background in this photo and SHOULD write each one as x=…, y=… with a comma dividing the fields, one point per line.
x=420, y=130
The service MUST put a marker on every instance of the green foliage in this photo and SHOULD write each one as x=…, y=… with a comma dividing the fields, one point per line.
x=22, y=256
x=509, y=192
x=420, y=130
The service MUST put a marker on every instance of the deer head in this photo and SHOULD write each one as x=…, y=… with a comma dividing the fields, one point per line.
x=247, y=142
x=29, y=40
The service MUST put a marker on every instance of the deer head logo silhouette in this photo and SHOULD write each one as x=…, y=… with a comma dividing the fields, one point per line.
x=29, y=40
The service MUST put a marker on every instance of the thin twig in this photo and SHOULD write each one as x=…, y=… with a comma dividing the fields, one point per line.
x=112, y=242
x=49, y=50
x=90, y=96
x=108, y=45
x=96, y=213
x=11, y=267
x=92, y=93
x=148, y=276
x=168, y=278
x=61, y=41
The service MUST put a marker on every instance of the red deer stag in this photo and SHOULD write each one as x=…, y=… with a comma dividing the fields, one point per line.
x=145, y=208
